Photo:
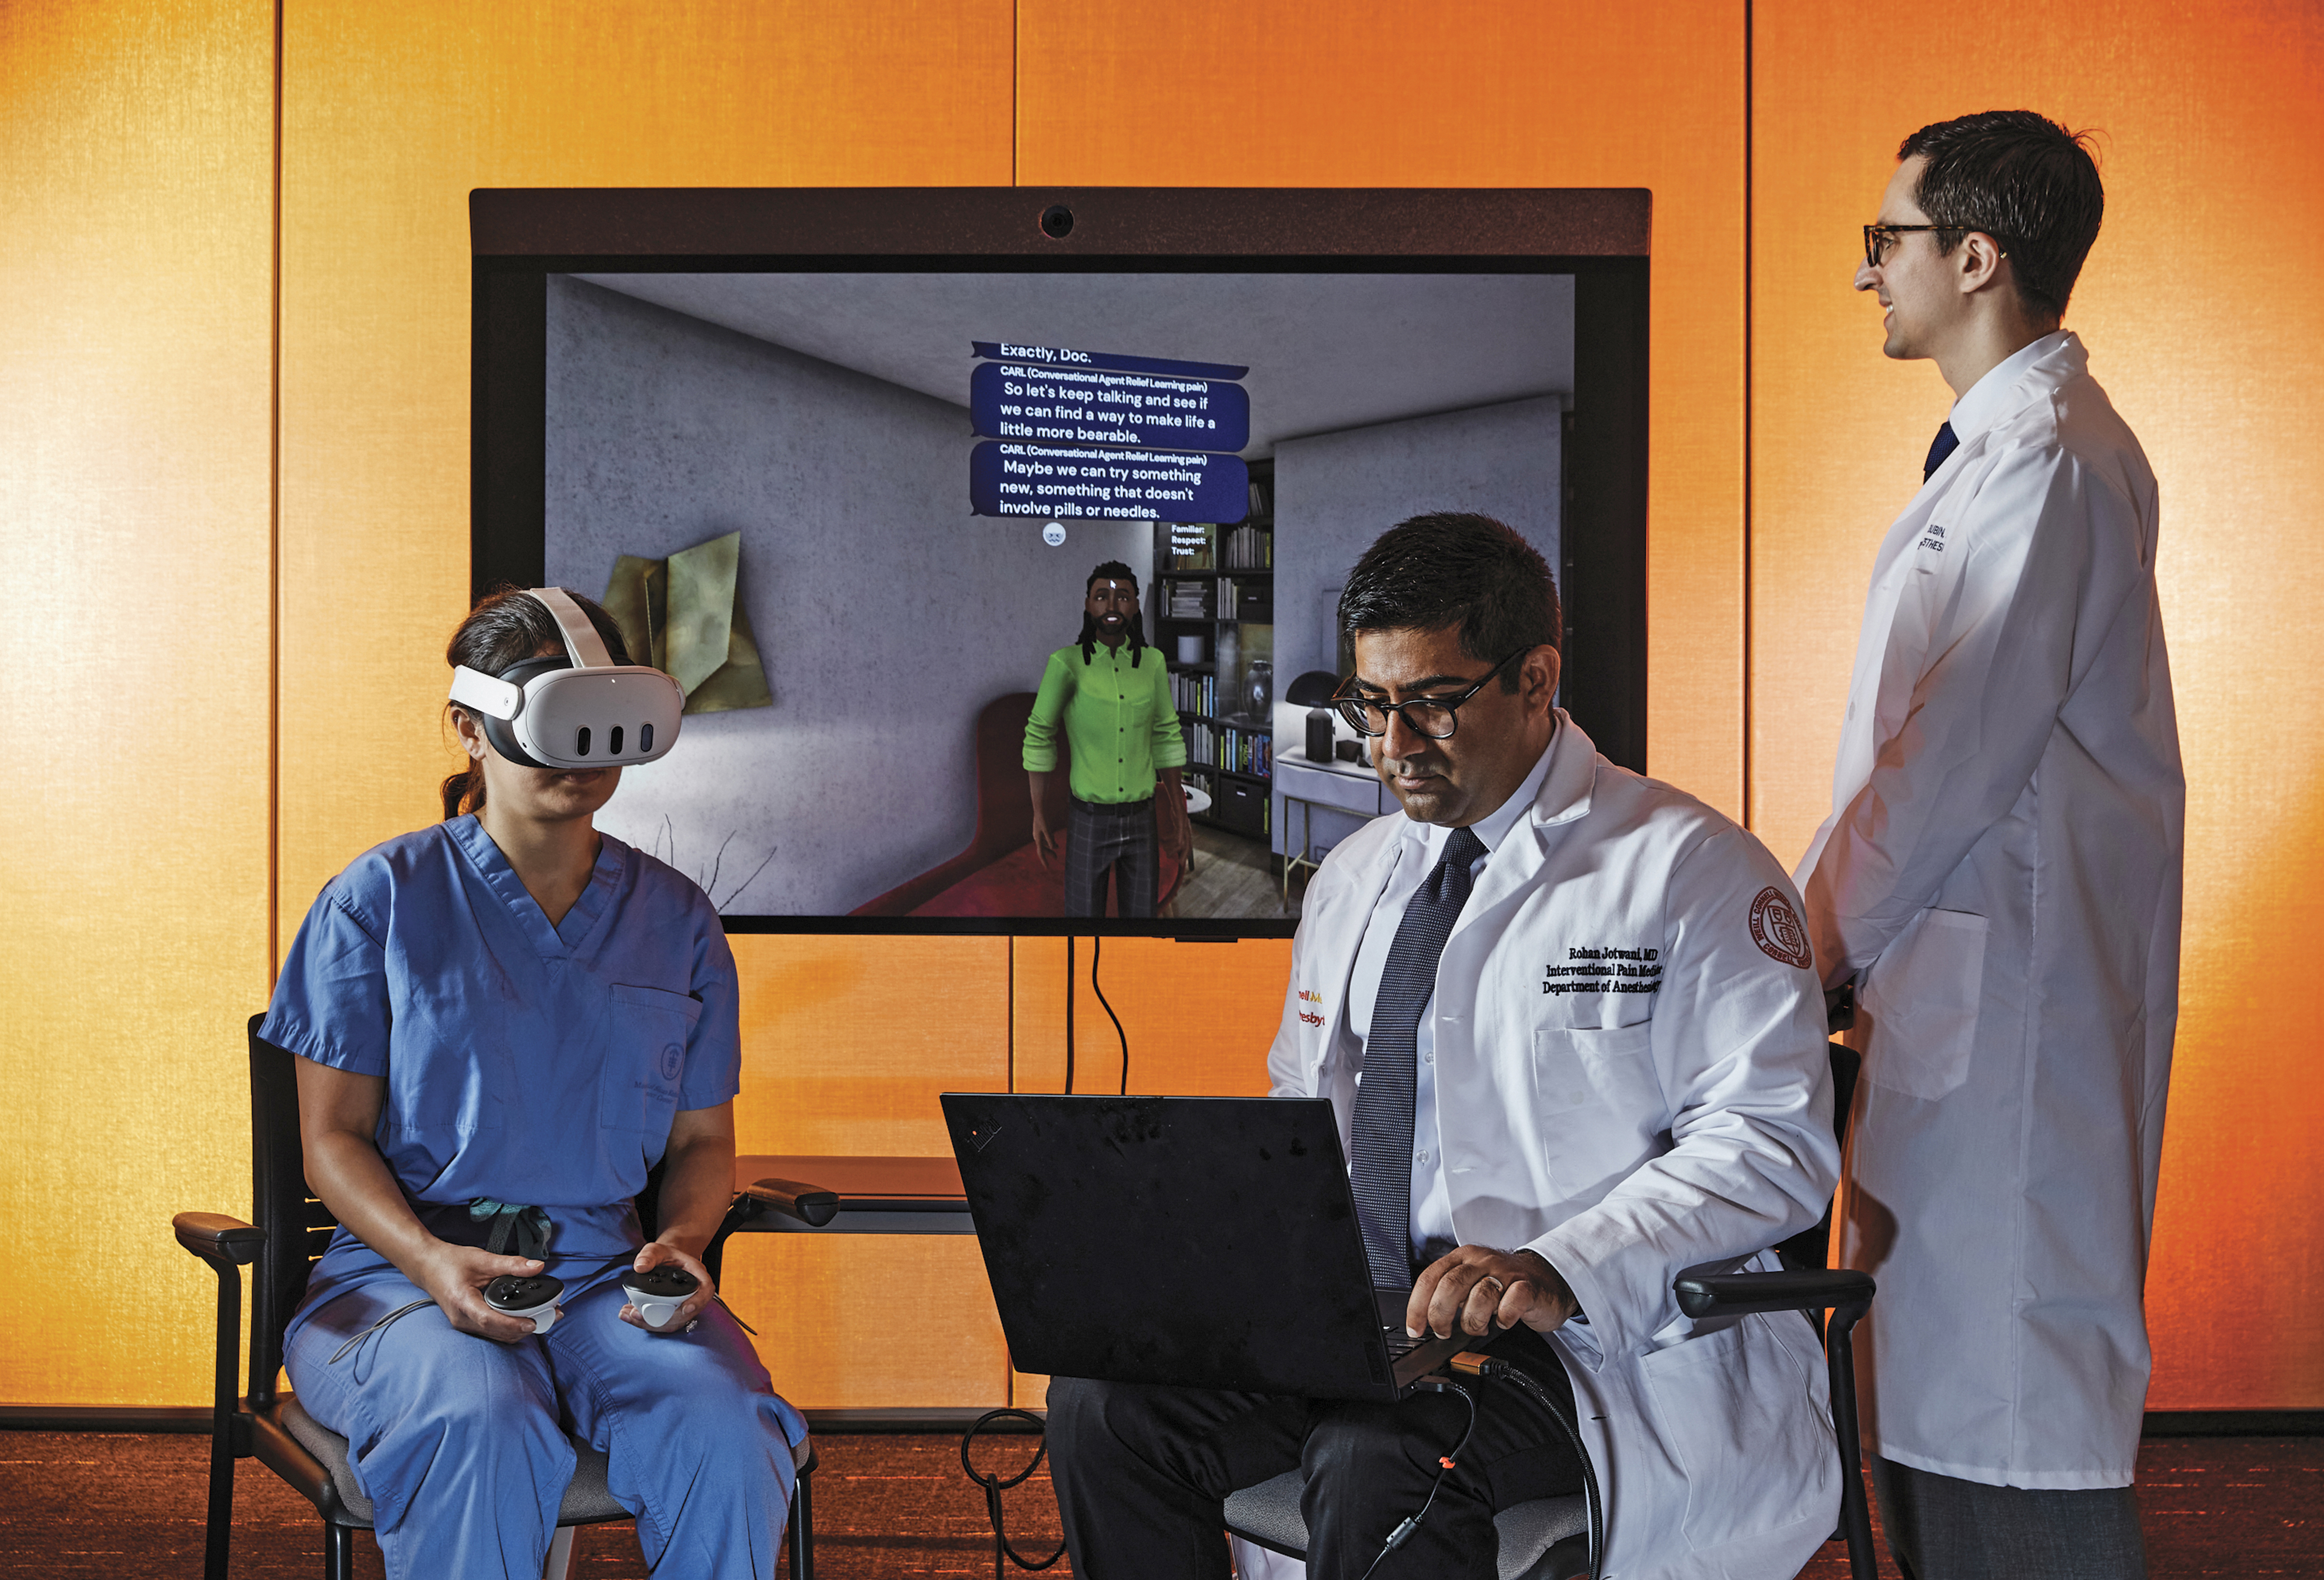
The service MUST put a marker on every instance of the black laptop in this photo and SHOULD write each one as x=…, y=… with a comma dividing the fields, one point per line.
x=1199, y=1242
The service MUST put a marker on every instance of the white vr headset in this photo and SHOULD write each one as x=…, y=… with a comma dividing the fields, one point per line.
x=581, y=711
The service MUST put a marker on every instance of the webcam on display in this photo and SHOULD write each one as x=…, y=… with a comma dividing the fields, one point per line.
x=1056, y=222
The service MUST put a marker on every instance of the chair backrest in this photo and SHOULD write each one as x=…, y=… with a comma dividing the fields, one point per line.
x=1812, y=1247
x=1845, y=1064
x=1004, y=812
x=297, y=1226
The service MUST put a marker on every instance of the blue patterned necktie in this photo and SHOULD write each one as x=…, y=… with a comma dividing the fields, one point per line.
x=1380, y=1142
x=1946, y=442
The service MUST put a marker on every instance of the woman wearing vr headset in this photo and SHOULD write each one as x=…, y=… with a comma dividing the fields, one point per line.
x=503, y=1022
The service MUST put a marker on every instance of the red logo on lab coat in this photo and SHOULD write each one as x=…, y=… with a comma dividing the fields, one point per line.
x=1776, y=929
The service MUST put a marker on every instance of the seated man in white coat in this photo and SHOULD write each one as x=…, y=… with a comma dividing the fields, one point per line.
x=1571, y=1024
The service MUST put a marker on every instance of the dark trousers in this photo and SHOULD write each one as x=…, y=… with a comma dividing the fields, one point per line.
x=1940, y=1527
x=1142, y=1472
x=1118, y=840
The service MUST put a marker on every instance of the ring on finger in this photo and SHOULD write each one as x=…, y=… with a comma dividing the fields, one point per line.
x=1499, y=1288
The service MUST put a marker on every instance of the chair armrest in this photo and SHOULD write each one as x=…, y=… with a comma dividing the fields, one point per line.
x=215, y=1237
x=810, y=1204
x=1703, y=1295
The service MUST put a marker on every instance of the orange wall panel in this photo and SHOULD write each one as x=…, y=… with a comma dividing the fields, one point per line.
x=1198, y=1018
x=2204, y=312
x=871, y=1321
x=134, y=397
x=847, y=1041
x=134, y=344
x=1330, y=92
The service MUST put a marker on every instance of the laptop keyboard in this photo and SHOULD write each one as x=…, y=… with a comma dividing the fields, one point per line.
x=1399, y=1342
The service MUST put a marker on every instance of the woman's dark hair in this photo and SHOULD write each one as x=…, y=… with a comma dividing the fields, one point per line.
x=1111, y=570
x=1435, y=571
x=502, y=632
x=2023, y=181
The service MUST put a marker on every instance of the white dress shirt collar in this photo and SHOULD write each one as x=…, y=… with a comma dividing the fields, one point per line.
x=1987, y=400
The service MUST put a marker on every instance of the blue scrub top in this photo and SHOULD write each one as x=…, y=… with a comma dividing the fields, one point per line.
x=524, y=1063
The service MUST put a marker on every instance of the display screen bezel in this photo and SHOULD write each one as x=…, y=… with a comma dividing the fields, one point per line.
x=1599, y=236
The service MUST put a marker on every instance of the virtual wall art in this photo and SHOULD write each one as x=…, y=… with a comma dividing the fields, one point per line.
x=680, y=615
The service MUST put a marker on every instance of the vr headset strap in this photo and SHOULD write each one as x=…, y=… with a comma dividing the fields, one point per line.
x=582, y=643
x=485, y=694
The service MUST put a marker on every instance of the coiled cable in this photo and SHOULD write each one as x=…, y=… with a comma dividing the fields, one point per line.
x=994, y=1486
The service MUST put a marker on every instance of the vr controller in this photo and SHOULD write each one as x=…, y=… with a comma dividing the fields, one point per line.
x=657, y=1293
x=534, y=1297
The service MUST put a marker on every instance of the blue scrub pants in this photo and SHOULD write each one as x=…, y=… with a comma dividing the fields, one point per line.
x=456, y=1438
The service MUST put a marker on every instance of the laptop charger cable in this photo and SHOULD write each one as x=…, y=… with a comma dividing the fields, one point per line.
x=1476, y=1364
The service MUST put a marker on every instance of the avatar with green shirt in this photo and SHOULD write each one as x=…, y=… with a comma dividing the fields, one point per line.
x=1122, y=729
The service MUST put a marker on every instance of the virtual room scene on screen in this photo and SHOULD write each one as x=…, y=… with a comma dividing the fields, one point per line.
x=855, y=513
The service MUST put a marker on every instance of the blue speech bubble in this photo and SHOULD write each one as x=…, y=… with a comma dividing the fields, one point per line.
x=1010, y=400
x=1008, y=478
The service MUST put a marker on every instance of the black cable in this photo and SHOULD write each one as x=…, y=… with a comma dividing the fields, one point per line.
x=1069, y=1014
x=1097, y=953
x=1402, y=1533
x=994, y=1486
x=1494, y=1366
x=397, y=1315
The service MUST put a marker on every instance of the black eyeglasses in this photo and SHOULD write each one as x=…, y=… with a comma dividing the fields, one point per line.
x=1433, y=716
x=1879, y=238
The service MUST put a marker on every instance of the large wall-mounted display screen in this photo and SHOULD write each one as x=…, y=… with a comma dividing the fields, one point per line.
x=856, y=505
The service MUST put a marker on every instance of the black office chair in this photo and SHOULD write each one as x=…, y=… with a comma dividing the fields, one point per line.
x=1548, y=1539
x=292, y=1232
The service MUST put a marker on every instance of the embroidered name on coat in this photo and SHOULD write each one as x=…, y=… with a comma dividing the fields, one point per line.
x=1606, y=969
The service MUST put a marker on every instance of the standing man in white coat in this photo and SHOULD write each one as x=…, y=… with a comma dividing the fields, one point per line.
x=2000, y=875
x=1569, y=1019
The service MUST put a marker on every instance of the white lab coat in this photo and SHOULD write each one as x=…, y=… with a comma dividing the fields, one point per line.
x=1625, y=1135
x=2002, y=863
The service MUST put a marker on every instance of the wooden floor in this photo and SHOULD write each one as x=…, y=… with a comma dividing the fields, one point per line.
x=1233, y=877
x=76, y=1505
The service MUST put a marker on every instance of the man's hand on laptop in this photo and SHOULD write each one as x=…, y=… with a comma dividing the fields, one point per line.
x=1485, y=1290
